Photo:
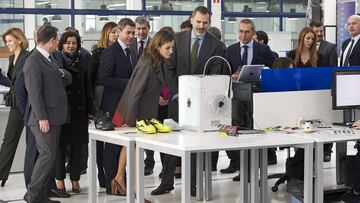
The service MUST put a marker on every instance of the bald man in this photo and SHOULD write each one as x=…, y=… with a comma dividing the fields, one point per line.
x=350, y=55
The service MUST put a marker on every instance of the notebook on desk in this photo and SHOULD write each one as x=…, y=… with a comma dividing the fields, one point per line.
x=250, y=73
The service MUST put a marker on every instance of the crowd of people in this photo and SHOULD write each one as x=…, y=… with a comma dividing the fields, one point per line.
x=58, y=86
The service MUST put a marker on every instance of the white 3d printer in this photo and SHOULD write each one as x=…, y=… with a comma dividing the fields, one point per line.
x=205, y=100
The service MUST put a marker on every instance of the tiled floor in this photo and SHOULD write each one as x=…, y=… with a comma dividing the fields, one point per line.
x=224, y=189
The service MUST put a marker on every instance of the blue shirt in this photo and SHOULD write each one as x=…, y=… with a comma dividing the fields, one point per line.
x=194, y=38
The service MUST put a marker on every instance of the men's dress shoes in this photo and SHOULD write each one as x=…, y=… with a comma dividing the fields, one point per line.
x=103, y=121
x=230, y=169
x=350, y=197
x=162, y=189
x=236, y=178
x=148, y=171
x=193, y=191
x=47, y=200
x=58, y=193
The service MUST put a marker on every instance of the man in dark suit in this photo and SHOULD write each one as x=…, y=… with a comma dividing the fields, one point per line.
x=142, y=27
x=245, y=52
x=116, y=66
x=45, y=82
x=326, y=49
x=351, y=47
x=328, y=58
x=192, y=49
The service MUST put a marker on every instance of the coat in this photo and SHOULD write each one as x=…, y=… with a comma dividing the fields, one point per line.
x=141, y=96
x=79, y=94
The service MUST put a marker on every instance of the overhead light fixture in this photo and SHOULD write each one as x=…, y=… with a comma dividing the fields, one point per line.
x=42, y=3
x=232, y=20
x=103, y=18
x=56, y=18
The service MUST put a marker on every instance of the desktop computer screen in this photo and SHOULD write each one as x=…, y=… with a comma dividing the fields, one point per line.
x=346, y=89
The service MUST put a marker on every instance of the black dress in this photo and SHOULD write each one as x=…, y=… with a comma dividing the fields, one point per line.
x=300, y=64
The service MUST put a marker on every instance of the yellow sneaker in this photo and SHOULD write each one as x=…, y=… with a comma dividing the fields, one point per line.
x=160, y=128
x=145, y=127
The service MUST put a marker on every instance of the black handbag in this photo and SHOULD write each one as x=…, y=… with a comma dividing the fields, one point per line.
x=8, y=99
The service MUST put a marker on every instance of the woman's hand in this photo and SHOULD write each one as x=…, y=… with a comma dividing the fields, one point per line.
x=163, y=102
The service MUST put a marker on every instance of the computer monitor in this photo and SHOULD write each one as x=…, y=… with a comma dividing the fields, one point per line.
x=346, y=92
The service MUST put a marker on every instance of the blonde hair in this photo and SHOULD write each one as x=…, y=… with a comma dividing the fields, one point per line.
x=18, y=34
x=104, y=36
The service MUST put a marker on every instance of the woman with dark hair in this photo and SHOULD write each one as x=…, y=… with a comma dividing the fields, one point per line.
x=283, y=62
x=109, y=35
x=305, y=55
x=15, y=40
x=139, y=104
x=75, y=132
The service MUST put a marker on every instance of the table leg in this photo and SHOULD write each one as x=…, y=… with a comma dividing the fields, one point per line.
x=130, y=172
x=185, y=171
x=263, y=176
x=341, y=148
x=319, y=174
x=254, y=185
x=208, y=176
x=244, y=176
x=92, y=170
x=199, y=176
x=308, y=173
x=140, y=177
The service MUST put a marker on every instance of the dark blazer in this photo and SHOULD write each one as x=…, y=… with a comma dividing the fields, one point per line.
x=179, y=63
x=46, y=90
x=141, y=96
x=261, y=55
x=4, y=81
x=114, y=74
x=94, y=66
x=327, y=50
x=355, y=53
x=135, y=48
x=12, y=70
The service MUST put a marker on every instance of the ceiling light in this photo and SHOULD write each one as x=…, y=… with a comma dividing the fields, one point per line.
x=56, y=18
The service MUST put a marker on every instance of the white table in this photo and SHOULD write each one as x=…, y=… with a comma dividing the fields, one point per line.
x=124, y=137
x=184, y=143
x=322, y=137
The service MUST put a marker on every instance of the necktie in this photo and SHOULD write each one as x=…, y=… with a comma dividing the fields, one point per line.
x=244, y=56
x=128, y=58
x=141, y=48
x=348, y=54
x=52, y=59
x=193, y=54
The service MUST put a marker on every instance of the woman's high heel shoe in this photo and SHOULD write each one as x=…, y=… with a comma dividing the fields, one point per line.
x=75, y=189
x=117, y=189
x=3, y=183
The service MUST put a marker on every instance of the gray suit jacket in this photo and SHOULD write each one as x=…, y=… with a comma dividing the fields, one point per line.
x=328, y=58
x=46, y=90
x=141, y=96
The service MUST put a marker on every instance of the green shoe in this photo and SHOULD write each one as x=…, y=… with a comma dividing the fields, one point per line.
x=160, y=128
x=145, y=127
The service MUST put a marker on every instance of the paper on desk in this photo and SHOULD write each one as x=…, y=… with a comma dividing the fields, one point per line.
x=127, y=130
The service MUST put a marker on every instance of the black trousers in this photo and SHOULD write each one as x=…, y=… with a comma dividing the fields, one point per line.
x=100, y=161
x=169, y=166
x=14, y=128
x=111, y=160
x=75, y=162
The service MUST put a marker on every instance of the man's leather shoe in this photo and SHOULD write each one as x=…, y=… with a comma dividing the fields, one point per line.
x=148, y=171
x=58, y=193
x=193, y=191
x=47, y=200
x=230, y=169
x=236, y=178
x=162, y=189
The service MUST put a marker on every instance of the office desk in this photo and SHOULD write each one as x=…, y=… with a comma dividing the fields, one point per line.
x=184, y=143
x=124, y=137
x=322, y=137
